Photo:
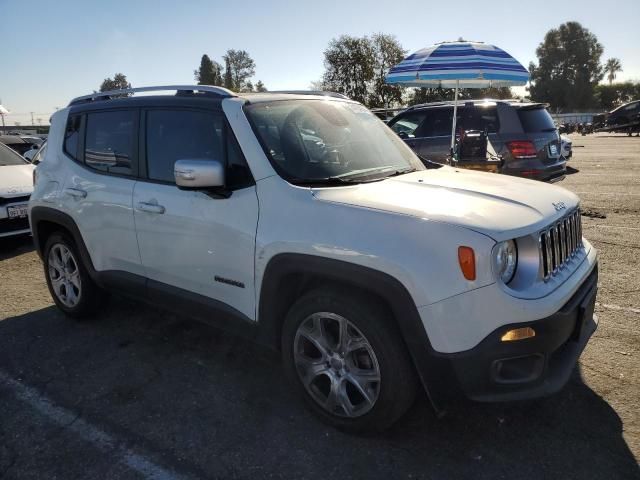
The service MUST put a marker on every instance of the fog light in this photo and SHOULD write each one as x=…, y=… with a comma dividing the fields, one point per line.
x=518, y=334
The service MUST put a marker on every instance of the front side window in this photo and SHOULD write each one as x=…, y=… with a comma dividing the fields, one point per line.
x=325, y=140
x=408, y=124
x=110, y=141
x=181, y=135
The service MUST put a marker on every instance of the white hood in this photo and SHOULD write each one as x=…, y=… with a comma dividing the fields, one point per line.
x=499, y=206
x=16, y=180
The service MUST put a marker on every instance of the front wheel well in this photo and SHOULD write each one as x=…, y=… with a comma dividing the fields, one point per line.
x=294, y=285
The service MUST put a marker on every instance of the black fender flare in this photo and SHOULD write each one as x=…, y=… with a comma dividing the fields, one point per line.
x=431, y=369
x=40, y=214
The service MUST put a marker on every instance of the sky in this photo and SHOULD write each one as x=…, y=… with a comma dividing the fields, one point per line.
x=52, y=51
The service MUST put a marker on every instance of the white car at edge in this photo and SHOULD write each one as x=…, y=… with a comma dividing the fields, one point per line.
x=305, y=223
x=16, y=185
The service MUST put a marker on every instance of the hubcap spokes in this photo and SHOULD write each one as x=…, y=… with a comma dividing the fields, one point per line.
x=337, y=365
x=64, y=275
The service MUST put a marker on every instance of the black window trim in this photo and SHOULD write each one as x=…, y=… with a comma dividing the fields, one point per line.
x=142, y=145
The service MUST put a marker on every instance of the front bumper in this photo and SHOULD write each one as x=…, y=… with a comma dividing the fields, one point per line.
x=501, y=371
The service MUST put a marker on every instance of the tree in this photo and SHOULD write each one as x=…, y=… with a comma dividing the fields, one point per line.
x=118, y=82
x=260, y=87
x=426, y=95
x=239, y=68
x=387, y=52
x=349, y=67
x=209, y=73
x=614, y=95
x=568, y=68
x=228, y=79
x=248, y=87
x=612, y=67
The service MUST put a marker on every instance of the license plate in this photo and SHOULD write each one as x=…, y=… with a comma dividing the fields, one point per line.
x=17, y=211
x=553, y=150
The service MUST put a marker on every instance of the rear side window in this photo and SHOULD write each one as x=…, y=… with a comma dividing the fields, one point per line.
x=408, y=124
x=479, y=117
x=536, y=120
x=71, y=136
x=181, y=135
x=109, y=141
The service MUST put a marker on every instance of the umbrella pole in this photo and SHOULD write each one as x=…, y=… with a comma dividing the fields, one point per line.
x=453, y=126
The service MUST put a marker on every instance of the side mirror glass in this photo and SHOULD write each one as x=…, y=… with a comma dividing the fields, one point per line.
x=199, y=173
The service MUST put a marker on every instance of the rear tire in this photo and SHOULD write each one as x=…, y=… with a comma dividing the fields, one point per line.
x=69, y=282
x=346, y=358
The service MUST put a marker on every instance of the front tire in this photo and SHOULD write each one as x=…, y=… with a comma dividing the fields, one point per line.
x=347, y=360
x=71, y=287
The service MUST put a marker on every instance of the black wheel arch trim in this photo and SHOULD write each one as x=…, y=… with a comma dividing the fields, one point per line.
x=41, y=214
x=431, y=369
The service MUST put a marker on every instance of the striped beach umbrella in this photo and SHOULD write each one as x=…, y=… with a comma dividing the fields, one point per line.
x=458, y=65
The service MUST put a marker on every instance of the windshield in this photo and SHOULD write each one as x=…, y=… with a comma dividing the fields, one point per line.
x=320, y=140
x=9, y=157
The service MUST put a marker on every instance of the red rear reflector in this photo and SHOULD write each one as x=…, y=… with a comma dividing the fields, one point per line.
x=530, y=172
x=467, y=260
x=522, y=149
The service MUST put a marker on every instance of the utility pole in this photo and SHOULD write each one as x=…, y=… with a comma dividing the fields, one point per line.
x=32, y=124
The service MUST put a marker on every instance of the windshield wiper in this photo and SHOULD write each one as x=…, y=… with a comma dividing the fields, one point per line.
x=400, y=171
x=330, y=181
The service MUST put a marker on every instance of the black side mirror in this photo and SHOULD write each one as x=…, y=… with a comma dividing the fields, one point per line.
x=403, y=135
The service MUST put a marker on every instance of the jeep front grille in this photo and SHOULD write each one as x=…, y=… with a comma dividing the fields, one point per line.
x=560, y=242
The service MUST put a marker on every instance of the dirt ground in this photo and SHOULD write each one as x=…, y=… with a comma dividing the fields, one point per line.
x=139, y=393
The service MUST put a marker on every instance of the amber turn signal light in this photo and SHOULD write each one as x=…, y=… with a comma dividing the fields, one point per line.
x=467, y=260
x=518, y=334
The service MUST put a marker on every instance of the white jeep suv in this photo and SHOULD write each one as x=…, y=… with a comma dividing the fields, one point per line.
x=305, y=223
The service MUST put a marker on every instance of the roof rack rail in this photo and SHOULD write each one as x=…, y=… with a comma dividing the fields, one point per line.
x=321, y=93
x=218, y=91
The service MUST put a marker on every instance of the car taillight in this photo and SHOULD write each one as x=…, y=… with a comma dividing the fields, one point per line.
x=522, y=149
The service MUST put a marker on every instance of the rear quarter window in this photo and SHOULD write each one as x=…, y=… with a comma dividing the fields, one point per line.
x=536, y=120
x=71, y=136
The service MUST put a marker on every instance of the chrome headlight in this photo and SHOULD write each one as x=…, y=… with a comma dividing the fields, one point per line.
x=505, y=260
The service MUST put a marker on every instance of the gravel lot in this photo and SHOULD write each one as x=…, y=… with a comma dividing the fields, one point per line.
x=138, y=393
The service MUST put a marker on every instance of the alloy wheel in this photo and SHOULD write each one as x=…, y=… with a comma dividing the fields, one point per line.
x=64, y=275
x=337, y=365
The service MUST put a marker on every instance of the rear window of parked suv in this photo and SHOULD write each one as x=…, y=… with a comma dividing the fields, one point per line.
x=536, y=120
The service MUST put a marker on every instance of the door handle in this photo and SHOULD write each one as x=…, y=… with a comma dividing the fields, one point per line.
x=75, y=192
x=150, y=207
